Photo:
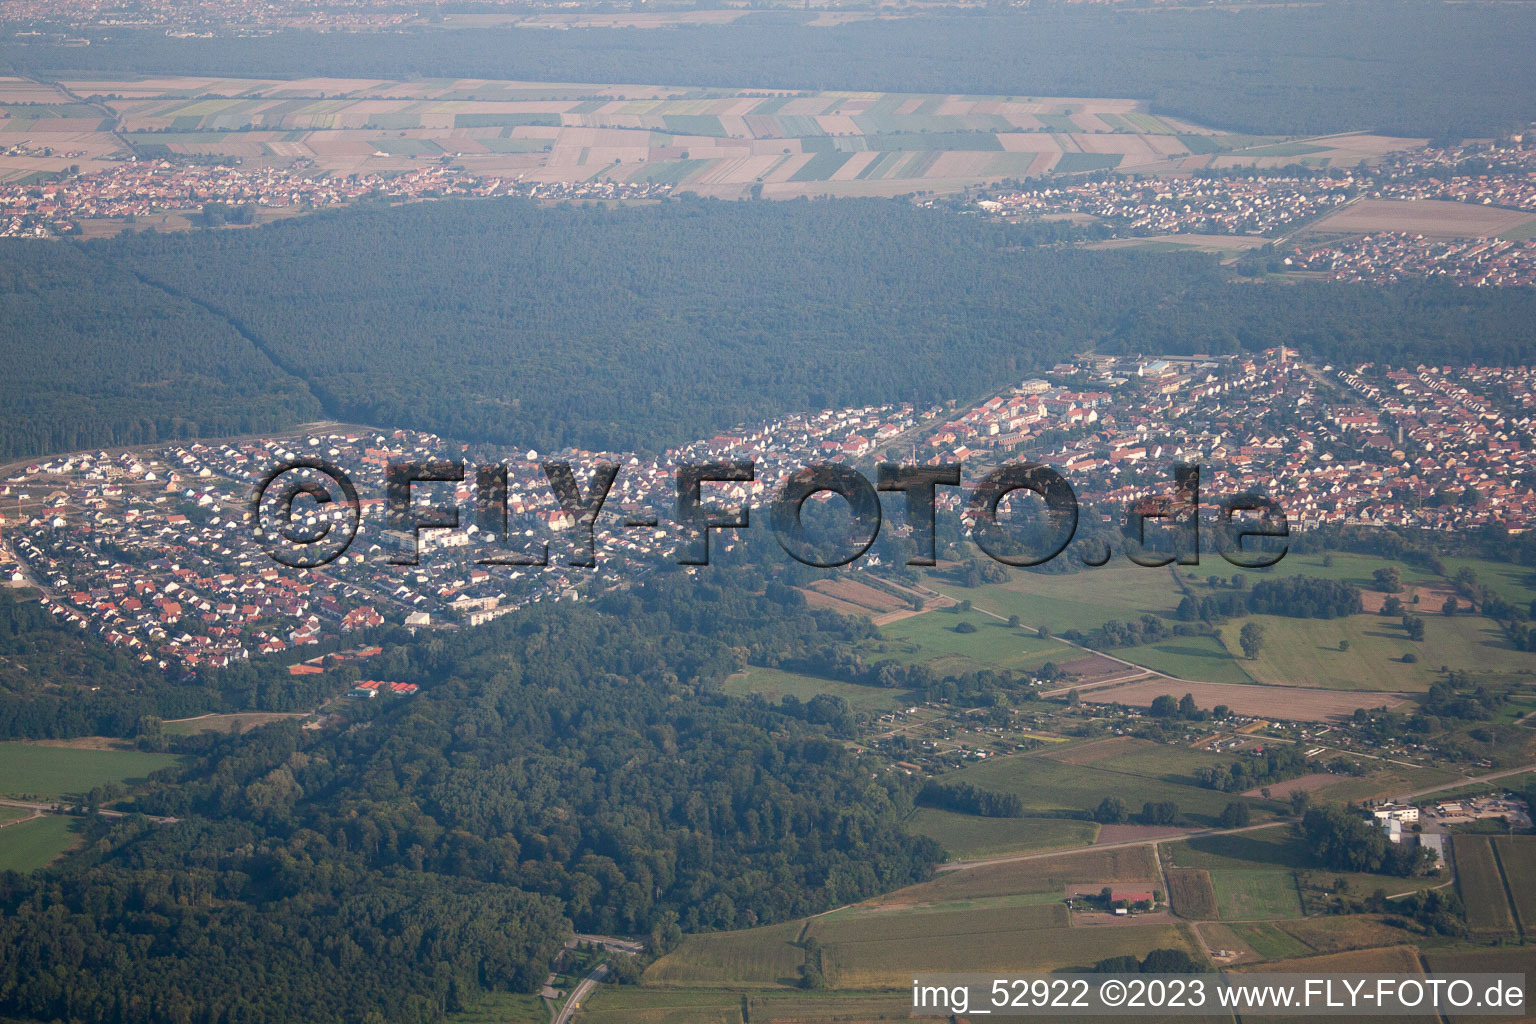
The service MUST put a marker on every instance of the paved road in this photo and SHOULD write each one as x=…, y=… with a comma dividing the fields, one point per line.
x=969, y=865
x=1458, y=783
x=581, y=992
x=57, y=807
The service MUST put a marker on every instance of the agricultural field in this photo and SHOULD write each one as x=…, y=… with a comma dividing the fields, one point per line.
x=712, y=141
x=970, y=836
x=45, y=772
x=1516, y=960
x=1386, y=960
x=1042, y=874
x=1428, y=217
x=1191, y=893
x=754, y=958
x=1517, y=859
x=29, y=845
x=1384, y=782
x=612, y=1004
x=1360, y=653
x=774, y=685
x=1482, y=887
x=888, y=963
x=1001, y=916
x=853, y=597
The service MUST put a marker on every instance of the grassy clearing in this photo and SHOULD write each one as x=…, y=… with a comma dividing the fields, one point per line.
x=1082, y=600
x=1481, y=886
x=775, y=685
x=1306, y=652
x=47, y=773
x=1048, y=785
x=755, y=958
x=930, y=638
x=241, y=722
x=1256, y=895
x=968, y=836
x=1336, y=934
x=1163, y=761
x=1269, y=941
x=34, y=844
x=12, y=813
x=1514, y=583
x=503, y=1008
x=1201, y=658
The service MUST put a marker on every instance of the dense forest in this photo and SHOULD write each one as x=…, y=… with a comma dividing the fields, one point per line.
x=1414, y=68
x=93, y=356
x=563, y=763
x=630, y=329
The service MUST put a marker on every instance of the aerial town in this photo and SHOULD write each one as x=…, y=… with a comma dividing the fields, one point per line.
x=153, y=550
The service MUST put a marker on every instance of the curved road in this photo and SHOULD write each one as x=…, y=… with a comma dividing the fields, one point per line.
x=581, y=992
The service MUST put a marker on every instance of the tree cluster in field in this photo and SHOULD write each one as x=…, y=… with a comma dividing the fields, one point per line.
x=1113, y=811
x=968, y=799
x=1301, y=597
x=1343, y=840
x=561, y=767
x=1278, y=762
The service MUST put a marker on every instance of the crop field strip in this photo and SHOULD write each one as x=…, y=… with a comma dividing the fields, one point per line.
x=716, y=142
x=1482, y=887
x=1191, y=893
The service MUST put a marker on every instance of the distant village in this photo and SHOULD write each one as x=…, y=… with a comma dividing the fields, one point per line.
x=141, y=188
x=1275, y=206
